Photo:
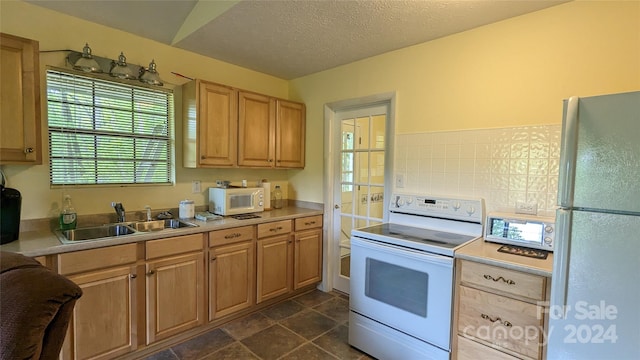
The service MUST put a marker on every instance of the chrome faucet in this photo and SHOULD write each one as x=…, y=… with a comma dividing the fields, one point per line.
x=119, y=210
x=148, y=208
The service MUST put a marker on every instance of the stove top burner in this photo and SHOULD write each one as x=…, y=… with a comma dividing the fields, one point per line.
x=419, y=235
x=245, y=216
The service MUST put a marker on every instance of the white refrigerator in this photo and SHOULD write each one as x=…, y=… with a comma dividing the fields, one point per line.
x=595, y=290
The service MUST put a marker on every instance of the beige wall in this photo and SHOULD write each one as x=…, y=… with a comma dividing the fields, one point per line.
x=56, y=31
x=511, y=73
x=515, y=72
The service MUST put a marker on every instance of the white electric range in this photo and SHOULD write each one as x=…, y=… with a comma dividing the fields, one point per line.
x=401, y=283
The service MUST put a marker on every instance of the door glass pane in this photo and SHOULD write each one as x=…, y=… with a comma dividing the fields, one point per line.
x=362, y=163
x=362, y=131
x=397, y=286
x=377, y=167
x=376, y=205
x=378, y=131
x=362, y=201
x=348, y=134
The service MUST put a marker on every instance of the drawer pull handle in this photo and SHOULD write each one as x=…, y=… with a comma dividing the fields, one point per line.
x=509, y=282
x=498, y=320
x=276, y=229
x=310, y=223
x=231, y=236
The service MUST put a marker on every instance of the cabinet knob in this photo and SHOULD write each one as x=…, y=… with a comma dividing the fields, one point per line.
x=151, y=272
x=28, y=150
x=133, y=276
x=213, y=259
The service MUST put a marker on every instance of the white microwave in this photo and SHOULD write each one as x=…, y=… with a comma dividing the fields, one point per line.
x=521, y=230
x=236, y=200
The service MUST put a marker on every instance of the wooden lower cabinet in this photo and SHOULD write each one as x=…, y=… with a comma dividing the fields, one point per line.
x=231, y=278
x=103, y=324
x=499, y=312
x=175, y=289
x=307, y=258
x=274, y=272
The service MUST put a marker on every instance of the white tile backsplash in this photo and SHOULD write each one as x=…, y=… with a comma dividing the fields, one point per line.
x=501, y=165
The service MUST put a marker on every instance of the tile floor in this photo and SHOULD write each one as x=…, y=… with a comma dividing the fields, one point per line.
x=311, y=326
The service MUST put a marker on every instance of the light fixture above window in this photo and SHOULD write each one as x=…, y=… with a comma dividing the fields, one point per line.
x=150, y=75
x=121, y=69
x=86, y=62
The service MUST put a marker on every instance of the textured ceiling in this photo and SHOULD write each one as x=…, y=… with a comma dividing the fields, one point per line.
x=289, y=38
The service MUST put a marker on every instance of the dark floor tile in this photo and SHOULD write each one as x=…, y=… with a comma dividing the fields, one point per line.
x=235, y=351
x=336, y=342
x=340, y=294
x=247, y=325
x=202, y=345
x=163, y=355
x=336, y=308
x=282, y=310
x=313, y=298
x=308, y=352
x=273, y=342
x=309, y=324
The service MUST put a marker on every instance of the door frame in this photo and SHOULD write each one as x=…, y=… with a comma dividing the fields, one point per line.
x=330, y=109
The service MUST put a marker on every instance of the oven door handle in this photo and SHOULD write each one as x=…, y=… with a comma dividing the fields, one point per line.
x=386, y=247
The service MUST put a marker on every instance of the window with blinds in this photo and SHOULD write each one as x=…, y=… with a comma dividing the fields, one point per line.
x=106, y=132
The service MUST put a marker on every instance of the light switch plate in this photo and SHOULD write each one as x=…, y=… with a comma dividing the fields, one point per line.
x=195, y=187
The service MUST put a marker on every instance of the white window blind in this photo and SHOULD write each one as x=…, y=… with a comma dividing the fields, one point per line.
x=105, y=132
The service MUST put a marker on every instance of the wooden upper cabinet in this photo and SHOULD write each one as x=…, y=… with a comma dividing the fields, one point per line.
x=256, y=134
x=271, y=132
x=20, y=141
x=290, y=134
x=210, y=127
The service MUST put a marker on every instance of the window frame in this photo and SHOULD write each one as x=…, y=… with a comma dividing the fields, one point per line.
x=140, y=132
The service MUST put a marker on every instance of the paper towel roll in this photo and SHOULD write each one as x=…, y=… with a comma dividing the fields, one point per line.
x=267, y=195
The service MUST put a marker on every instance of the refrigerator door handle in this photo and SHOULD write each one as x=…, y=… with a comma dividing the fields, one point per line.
x=561, y=258
x=568, y=153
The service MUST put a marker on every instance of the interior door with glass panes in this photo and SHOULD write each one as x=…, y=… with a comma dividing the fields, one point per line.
x=360, y=187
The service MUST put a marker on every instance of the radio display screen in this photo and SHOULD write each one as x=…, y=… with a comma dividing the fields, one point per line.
x=522, y=231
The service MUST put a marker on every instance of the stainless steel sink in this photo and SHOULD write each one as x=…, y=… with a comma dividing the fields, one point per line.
x=120, y=229
x=157, y=225
x=97, y=232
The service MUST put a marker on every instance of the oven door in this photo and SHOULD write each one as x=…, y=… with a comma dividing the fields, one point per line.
x=405, y=289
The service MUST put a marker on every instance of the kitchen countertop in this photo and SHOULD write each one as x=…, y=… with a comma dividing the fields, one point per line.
x=45, y=242
x=486, y=252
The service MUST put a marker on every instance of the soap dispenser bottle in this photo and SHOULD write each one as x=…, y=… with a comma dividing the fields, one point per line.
x=68, y=217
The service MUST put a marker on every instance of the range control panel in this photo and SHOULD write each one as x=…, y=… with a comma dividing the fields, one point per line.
x=466, y=209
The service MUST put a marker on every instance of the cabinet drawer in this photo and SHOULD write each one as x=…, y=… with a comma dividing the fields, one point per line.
x=501, y=321
x=308, y=222
x=504, y=280
x=80, y=261
x=471, y=350
x=173, y=246
x=229, y=236
x=274, y=228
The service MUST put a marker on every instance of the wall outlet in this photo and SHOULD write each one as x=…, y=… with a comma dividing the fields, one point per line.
x=530, y=208
x=195, y=187
x=399, y=180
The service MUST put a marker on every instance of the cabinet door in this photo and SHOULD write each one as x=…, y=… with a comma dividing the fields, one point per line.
x=307, y=267
x=19, y=101
x=175, y=295
x=231, y=279
x=290, y=134
x=104, y=319
x=218, y=125
x=274, y=267
x=256, y=130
